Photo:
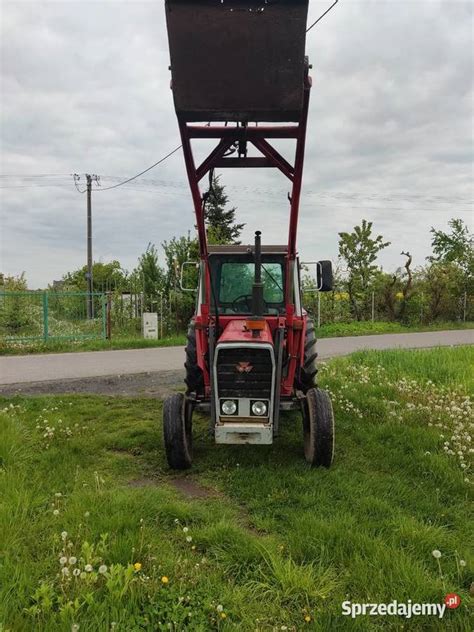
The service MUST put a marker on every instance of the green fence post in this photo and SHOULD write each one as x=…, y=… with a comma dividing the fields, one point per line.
x=104, y=316
x=45, y=316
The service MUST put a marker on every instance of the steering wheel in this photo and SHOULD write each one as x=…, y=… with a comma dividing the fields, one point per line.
x=247, y=299
x=242, y=299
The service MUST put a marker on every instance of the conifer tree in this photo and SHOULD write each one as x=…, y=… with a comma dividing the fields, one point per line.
x=220, y=221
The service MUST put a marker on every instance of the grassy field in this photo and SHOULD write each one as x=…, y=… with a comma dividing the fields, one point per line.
x=325, y=331
x=62, y=346
x=96, y=534
x=355, y=328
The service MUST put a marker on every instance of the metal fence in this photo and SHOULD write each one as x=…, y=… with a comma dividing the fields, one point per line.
x=62, y=315
x=420, y=308
x=46, y=315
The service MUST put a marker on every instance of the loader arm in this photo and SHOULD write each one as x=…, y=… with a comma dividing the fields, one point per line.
x=240, y=62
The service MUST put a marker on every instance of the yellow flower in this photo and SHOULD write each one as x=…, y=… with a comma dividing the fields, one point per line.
x=137, y=566
x=307, y=618
x=164, y=579
x=223, y=615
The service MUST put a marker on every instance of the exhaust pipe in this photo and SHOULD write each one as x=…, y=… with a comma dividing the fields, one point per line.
x=257, y=288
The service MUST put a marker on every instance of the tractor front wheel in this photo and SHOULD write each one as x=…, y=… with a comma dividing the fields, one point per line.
x=318, y=428
x=177, y=429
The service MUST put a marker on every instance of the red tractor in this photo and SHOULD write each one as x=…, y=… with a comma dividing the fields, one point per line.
x=251, y=349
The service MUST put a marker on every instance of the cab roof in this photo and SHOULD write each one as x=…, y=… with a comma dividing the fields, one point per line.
x=245, y=249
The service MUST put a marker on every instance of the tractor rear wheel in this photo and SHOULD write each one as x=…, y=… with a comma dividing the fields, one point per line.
x=318, y=428
x=194, y=379
x=177, y=430
x=309, y=369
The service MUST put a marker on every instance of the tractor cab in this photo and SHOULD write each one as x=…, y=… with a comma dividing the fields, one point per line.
x=232, y=272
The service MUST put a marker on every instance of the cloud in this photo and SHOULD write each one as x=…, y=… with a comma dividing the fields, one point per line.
x=85, y=88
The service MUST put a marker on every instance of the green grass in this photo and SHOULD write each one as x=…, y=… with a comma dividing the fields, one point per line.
x=325, y=331
x=333, y=330
x=62, y=346
x=274, y=542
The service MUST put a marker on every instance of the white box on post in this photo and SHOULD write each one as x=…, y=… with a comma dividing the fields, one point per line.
x=150, y=325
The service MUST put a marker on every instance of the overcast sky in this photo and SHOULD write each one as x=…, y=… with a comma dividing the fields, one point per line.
x=85, y=88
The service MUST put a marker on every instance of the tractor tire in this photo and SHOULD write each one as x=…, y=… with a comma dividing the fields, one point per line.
x=309, y=369
x=194, y=379
x=177, y=430
x=318, y=428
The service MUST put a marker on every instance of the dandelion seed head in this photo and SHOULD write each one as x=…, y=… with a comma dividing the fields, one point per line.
x=102, y=569
x=436, y=554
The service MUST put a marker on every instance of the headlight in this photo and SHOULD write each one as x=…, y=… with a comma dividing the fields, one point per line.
x=259, y=408
x=229, y=407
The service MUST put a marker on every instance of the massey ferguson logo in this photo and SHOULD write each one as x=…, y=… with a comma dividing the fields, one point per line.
x=244, y=367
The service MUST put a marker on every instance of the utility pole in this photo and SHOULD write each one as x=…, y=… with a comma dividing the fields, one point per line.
x=89, y=276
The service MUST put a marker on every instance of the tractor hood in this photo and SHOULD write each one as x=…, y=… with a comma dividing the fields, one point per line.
x=238, y=331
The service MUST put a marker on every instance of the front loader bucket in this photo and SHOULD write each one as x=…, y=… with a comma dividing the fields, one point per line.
x=237, y=60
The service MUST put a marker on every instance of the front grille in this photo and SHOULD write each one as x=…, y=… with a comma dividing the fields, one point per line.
x=254, y=384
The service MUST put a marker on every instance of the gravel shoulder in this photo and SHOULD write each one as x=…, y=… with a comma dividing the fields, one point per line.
x=151, y=384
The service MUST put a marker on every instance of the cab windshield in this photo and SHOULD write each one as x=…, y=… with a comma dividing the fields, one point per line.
x=233, y=279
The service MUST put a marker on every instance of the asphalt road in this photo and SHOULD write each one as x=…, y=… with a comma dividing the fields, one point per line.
x=69, y=366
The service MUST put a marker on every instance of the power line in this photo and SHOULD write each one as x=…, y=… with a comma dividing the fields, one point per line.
x=35, y=186
x=34, y=175
x=342, y=201
x=338, y=195
x=321, y=16
x=141, y=172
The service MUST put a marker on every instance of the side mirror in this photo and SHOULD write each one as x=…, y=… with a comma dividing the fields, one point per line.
x=324, y=275
x=189, y=278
